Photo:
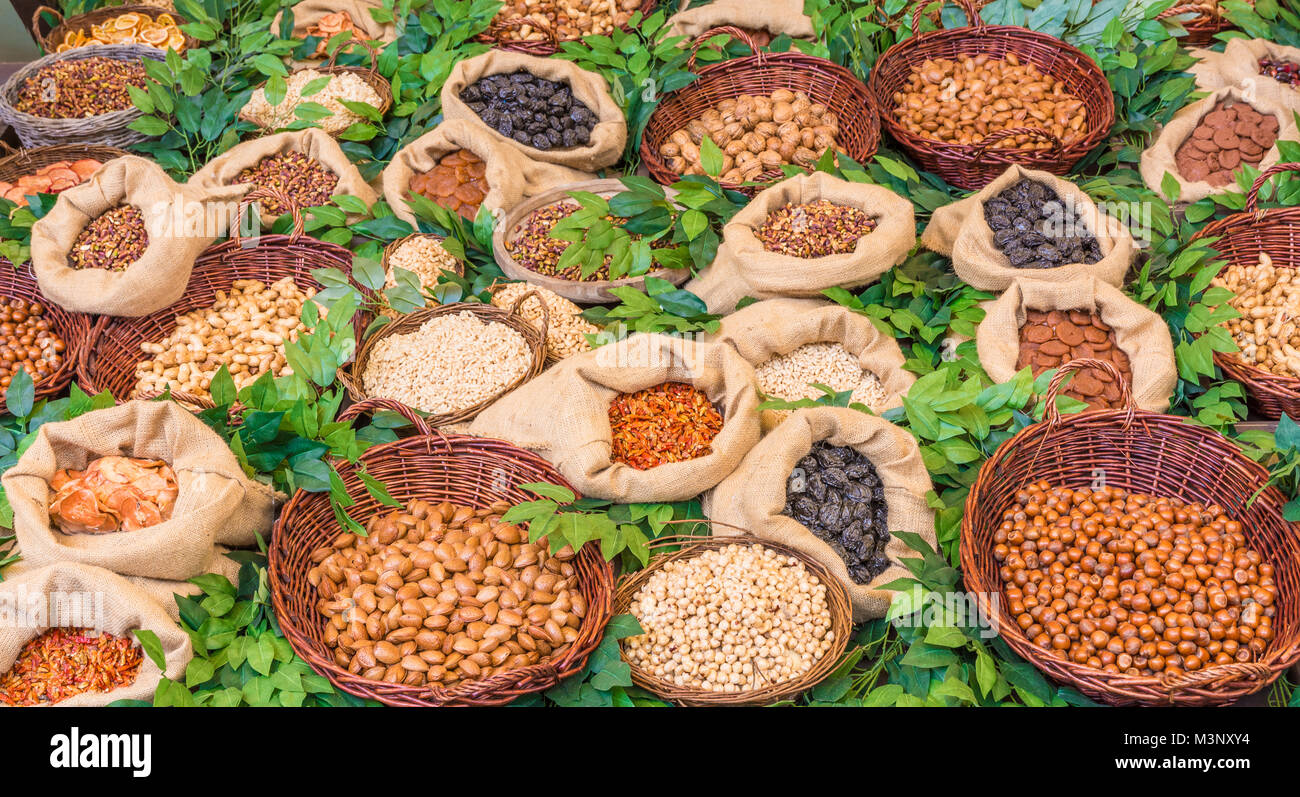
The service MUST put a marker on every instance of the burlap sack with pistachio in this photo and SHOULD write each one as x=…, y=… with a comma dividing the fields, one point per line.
x=511, y=176
x=175, y=221
x=608, y=137
x=774, y=16
x=217, y=503
x=1238, y=65
x=220, y=175
x=753, y=497
x=743, y=267
x=1140, y=333
x=78, y=595
x=766, y=329
x=564, y=415
x=960, y=231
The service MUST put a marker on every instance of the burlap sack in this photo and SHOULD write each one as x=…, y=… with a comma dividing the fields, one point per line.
x=773, y=327
x=774, y=16
x=1158, y=159
x=177, y=224
x=960, y=231
x=564, y=415
x=753, y=497
x=309, y=12
x=217, y=502
x=1141, y=333
x=77, y=593
x=1238, y=65
x=608, y=137
x=511, y=176
x=220, y=173
x=744, y=268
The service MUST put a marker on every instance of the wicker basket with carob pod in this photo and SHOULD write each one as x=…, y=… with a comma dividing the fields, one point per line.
x=762, y=21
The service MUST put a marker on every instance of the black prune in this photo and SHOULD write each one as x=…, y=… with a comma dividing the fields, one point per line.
x=1044, y=230
x=536, y=112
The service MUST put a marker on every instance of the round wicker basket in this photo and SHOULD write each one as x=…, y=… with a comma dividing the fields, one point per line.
x=26, y=161
x=434, y=467
x=548, y=46
x=1149, y=453
x=74, y=328
x=82, y=22
x=1208, y=20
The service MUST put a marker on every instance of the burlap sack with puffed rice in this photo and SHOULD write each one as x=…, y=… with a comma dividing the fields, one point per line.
x=563, y=415
x=753, y=497
x=217, y=504
x=774, y=16
x=608, y=136
x=743, y=267
x=511, y=176
x=90, y=597
x=308, y=13
x=960, y=231
x=175, y=220
x=1238, y=65
x=1140, y=333
x=766, y=329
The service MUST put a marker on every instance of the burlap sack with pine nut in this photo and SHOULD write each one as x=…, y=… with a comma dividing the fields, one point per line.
x=960, y=231
x=1140, y=333
x=178, y=231
x=221, y=172
x=1238, y=65
x=511, y=176
x=766, y=329
x=743, y=267
x=217, y=503
x=753, y=497
x=91, y=597
x=563, y=415
x=608, y=136
x=774, y=16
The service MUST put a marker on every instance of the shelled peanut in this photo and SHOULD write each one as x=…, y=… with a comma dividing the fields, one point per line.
x=565, y=20
x=1268, y=299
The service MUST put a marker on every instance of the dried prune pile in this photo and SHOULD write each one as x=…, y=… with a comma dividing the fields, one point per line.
x=1035, y=229
x=836, y=493
x=534, y=111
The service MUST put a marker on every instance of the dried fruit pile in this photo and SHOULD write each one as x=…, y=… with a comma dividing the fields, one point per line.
x=1051, y=339
x=1034, y=228
x=65, y=662
x=112, y=240
x=161, y=31
x=836, y=493
x=49, y=179
x=113, y=494
x=331, y=25
x=1268, y=299
x=27, y=341
x=1227, y=137
x=534, y=111
x=457, y=183
x=304, y=180
x=814, y=229
x=1287, y=72
x=81, y=88
x=671, y=422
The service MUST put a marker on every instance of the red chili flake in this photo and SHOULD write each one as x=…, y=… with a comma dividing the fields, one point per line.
x=64, y=662
x=672, y=422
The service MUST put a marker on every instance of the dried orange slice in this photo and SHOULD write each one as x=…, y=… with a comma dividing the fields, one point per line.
x=128, y=21
x=154, y=36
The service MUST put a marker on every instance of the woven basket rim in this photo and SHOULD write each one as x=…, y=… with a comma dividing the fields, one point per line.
x=82, y=21
x=19, y=160
x=87, y=124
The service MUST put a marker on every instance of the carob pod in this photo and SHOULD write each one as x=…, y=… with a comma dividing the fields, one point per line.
x=1228, y=136
x=1051, y=339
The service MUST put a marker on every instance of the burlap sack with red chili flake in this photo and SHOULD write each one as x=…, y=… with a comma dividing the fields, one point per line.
x=511, y=177
x=753, y=497
x=764, y=330
x=1238, y=65
x=774, y=17
x=1140, y=333
x=563, y=415
x=960, y=231
x=82, y=596
x=744, y=267
x=608, y=136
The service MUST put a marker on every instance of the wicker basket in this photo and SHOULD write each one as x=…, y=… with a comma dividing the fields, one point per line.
x=973, y=167
x=1149, y=453
x=548, y=47
x=83, y=22
x=106, y=129
x=434, y=467
x=369, y=74
x=26, y=161
x=393, y=246
x=762, y=73
x=1208, y=21
x=20, y=283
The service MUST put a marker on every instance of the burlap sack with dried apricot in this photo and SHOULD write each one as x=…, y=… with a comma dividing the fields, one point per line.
x=767, y=329
x=62, y=591
x=307, y=14
x=608, y=137
x=960, y=231
x=744, y=267
x=753, y=497
x=1238, y=65
x=774, y=17
x=563, y=415
x=1140, y=333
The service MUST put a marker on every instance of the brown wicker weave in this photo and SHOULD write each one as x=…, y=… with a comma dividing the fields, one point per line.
x=671, y=549
x=762, y=73
x=20, y=283
x=974, y=166
x=26, y=161
x=82, y=22
x=369, y=74
x=1208, y=21
x=550, y=46
x=434, y=467
x=1149, y=453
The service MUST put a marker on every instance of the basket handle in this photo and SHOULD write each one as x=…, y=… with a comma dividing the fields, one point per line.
x=267, y=193
x=333, y=60
x=1052, y=415
x=1210, y=9
x=1252, y=196
x=993, y=138
x=972, y=14
x=1217, y=675
x=732, y=31
x=36, y=25
x=372, y=405
x=546, y=311
x=9, y=148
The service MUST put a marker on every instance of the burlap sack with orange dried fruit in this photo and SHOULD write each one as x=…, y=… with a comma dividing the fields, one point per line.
x=608, y=137
x=1238, y=65
x=773, y=16
x=960, y=231
x=173, y=215
x=753, y=497
x=744, y=267
x=221, y=173
x=563, y=415
x=511, y=177
x=1140, y=333
x=308, y=13
x=217, y=503
x=63, y=591
x=766, y=329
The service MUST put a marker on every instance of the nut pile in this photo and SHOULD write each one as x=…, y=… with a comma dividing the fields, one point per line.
x=113, y=494
x=161, y=31
x=531, y=244
x=65, y=662
x=49, y=179
x=331, y=25
x=757, y=134
x=245, y=330
x=458, y=183
x=534, y=111
x=814, y=229
x=1132, y=583
x=81, y=88
x=1287, y=72
x=1268, y=299
x=1034, y=228
x=341, y=86
x=27, y=341
x=1051, y=339
x=791, y=376
x=451, y=363
x=567, y=330
x=836, y=493
x=304, y=180
x=423, y=256
x=112, y=240
x=565, y=20
x=441, y=594
x=671, y=422
x=733, y=619
x=963, y=101
x=1225, y=138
